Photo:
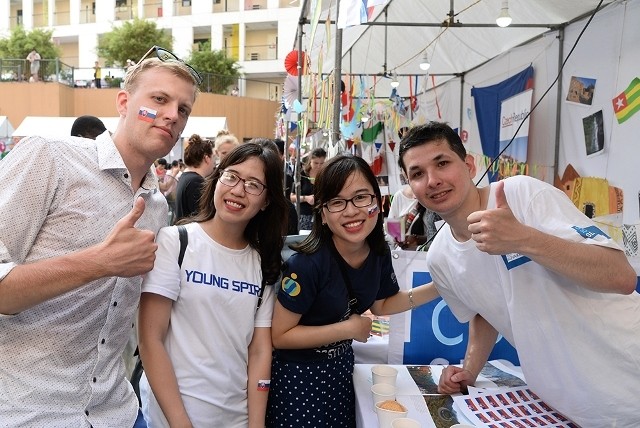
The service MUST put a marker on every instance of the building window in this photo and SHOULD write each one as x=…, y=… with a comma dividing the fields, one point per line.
x=121, y=3
x=186, y=3
x=19, y=17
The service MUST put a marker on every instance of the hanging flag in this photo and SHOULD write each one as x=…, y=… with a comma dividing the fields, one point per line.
x=627, y=103
x=349, y=13
x=356, y=12
x=369, y=134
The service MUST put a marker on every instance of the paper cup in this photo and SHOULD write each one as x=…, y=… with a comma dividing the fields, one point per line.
x=381, y=392
x=386, y=416
x=384, y=374
x=405, y=423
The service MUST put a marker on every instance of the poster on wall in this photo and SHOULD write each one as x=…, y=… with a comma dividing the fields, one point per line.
x=581, y=90
x=593, y=133
x=513, y=112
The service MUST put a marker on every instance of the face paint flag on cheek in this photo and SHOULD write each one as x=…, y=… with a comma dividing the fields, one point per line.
x=373, y=211
x=147, y=114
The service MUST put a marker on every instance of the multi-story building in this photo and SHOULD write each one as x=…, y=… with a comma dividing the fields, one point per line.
x=256, y=33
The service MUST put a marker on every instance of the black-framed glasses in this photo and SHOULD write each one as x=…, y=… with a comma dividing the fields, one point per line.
x=362, y=200
x=252, y=187
x=166, y=55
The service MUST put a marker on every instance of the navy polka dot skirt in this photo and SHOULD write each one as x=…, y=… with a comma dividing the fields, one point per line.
x=316, y=394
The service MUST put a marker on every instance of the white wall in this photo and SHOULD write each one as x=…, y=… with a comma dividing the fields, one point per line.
x=609, y=51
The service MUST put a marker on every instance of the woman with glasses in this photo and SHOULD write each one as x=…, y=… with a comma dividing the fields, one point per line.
x=342, y=269
x=205, y=336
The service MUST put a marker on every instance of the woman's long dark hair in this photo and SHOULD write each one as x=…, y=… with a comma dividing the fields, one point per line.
x=328, y=184
x=265, y=230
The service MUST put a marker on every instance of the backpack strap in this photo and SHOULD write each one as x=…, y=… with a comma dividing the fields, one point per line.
x=184, y=240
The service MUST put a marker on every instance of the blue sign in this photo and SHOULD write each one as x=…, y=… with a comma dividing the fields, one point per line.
x=436, y=333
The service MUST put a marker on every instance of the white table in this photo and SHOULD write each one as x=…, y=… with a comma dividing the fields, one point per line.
x=374, y=351
x=407, y=393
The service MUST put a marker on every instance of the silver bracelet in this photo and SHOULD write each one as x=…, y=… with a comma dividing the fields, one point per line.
x=411, y=302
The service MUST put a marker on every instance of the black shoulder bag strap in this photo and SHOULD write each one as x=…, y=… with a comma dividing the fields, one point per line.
x=342, y=264
x=184, y=241
x=138, y=369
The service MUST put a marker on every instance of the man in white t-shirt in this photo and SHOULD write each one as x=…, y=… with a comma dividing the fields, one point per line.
x=517, y=258
x=34, y=67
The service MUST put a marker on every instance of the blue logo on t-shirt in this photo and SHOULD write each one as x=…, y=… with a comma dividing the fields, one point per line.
x=590, y=232
x=514, y=260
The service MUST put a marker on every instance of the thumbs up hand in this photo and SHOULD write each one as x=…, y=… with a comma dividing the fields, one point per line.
x=128, y=251
x=497, y=231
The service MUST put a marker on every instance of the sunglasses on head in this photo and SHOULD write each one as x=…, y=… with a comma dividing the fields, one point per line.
x=166, y=55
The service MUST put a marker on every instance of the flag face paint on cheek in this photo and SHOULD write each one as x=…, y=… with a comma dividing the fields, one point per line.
x=147, y=114
x=373, y=211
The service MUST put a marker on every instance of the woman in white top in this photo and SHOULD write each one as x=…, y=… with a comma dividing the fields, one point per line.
x=205, y=340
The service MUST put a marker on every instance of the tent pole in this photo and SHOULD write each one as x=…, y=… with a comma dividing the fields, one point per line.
x=296, y=168
x=556, y=155
x=461, y=104
x=336, y=83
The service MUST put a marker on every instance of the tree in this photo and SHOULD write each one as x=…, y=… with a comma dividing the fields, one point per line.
x=18, y=45
x=218, y=70
x=131, y=40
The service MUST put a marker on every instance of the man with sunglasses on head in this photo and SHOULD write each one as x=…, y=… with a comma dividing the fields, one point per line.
x=78, y=220
x=518, y=258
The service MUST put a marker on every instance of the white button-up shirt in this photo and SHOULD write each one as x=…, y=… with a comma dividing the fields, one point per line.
x=60, y=361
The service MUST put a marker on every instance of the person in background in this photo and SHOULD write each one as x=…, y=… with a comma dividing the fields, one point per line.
x=419, y=222
x=518, y=258
x=342, y=269
x=220, y=378
x=235, y=92
x=161, y=168
x=223, y=144
x=87, y=127
x=97, y=75
x=71, y=263
x=312, y=167
x=198, y=157
x=129, y=64
x=288, y=178
x=168, y=187
x=34, y=64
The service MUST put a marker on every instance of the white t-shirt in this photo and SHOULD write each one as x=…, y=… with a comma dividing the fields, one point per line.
x=579, y=349
x=212, y=323
x=401, y=205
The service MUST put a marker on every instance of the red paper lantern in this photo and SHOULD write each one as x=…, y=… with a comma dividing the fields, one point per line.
x=291, y=63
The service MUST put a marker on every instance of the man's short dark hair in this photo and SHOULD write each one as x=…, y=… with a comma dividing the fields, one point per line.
x=428, y=133
x=280, y=144
x=87, y=127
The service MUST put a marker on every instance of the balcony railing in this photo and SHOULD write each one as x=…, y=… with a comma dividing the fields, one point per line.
x=54, y=70
x=254, y=52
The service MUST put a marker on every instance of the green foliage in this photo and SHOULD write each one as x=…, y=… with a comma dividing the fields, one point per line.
x=131, y=40
x=218, y=70
x=20, y=43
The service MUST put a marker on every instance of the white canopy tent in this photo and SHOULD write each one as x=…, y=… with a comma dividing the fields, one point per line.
x=6, y=130
x=559, y=39
x=456, y=35
x=48, y=126
x=206, y=127
x=61, y=126
x=5, y=136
